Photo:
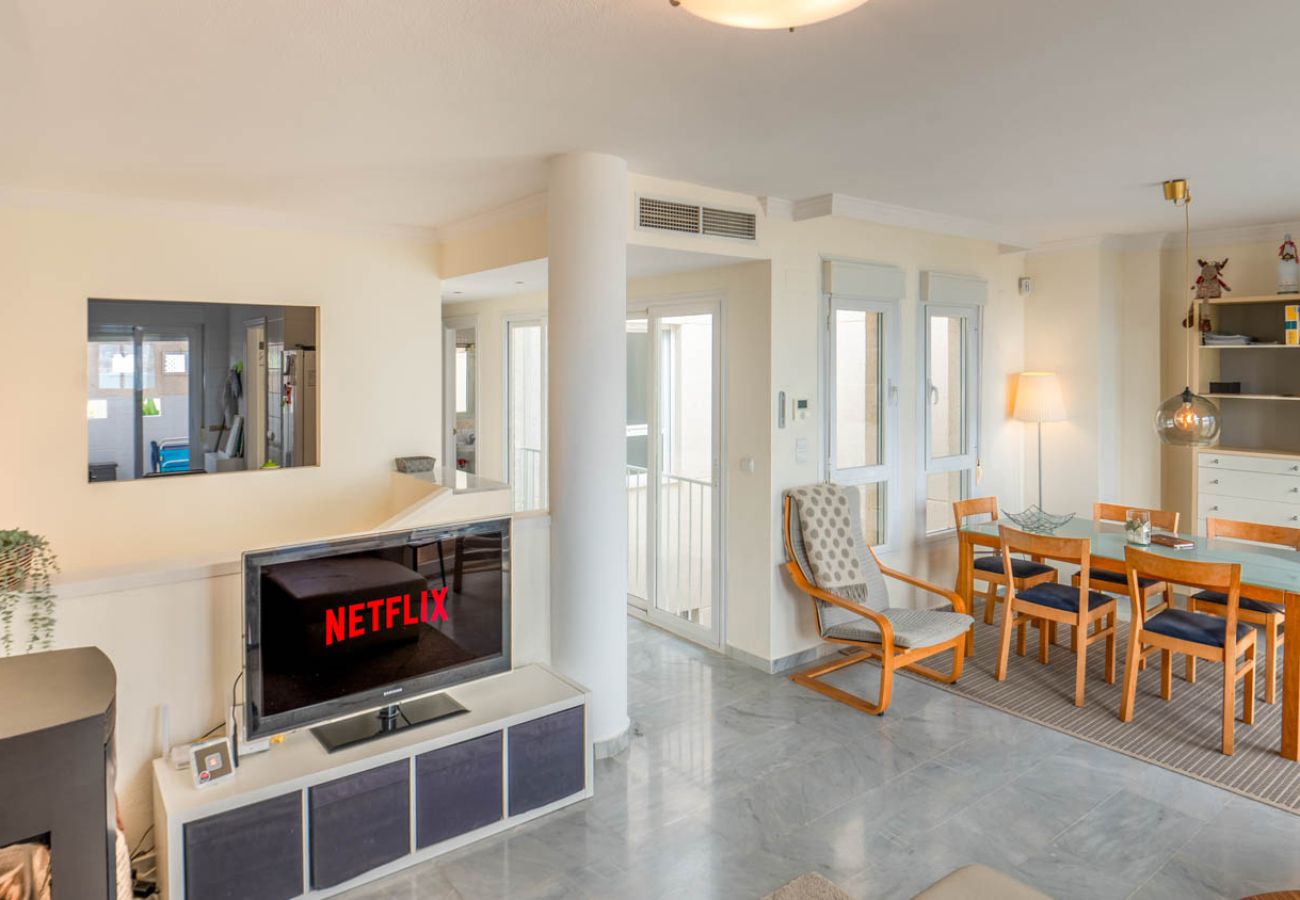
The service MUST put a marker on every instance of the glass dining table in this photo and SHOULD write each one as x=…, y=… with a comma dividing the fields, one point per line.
x=1271, y=574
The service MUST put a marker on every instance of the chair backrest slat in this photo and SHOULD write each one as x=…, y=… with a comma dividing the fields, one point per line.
x=1118, y=512
x=1251, y=531
x=975, y=506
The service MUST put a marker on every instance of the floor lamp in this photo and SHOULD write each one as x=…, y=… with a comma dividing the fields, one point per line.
x=1038, y=400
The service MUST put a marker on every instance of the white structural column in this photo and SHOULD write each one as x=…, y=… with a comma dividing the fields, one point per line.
x=587, y=211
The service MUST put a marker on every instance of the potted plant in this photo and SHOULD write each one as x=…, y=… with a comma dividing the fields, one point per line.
x=27, y=567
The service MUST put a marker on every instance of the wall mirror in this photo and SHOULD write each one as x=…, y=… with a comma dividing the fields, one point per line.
x=186, y=388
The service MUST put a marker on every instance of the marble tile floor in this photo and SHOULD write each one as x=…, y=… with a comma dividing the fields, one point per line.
x=737, y=782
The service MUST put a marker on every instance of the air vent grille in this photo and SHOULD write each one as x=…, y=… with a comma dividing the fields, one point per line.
x=668, y=216
x=687, y=218
x=728, y=223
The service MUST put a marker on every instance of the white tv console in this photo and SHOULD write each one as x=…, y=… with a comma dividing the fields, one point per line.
x=299, y=822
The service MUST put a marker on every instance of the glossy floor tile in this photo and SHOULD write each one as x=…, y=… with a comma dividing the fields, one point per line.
x=737, y=782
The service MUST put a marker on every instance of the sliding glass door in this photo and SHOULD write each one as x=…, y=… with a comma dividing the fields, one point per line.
x=673, y=466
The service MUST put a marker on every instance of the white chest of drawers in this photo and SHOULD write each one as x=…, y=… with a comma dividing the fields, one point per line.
x=1249, y=487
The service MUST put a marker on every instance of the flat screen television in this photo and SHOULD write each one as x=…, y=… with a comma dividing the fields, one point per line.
x=335, y=631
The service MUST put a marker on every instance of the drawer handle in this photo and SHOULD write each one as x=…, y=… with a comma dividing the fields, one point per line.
x=1214, y=481
x=1295, y=468
x=1214, y=462
x=1214, y=509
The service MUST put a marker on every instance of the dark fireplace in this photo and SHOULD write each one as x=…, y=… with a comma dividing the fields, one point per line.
x=56, y=774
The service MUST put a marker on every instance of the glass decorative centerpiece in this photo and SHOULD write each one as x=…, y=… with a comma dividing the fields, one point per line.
x=1137, y=527
x=1036, y=520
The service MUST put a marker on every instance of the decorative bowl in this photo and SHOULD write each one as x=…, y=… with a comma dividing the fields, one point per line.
x=1036, y=520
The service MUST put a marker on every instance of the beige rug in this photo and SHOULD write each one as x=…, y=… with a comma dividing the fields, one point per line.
x=1182, y=735
x=809, y=887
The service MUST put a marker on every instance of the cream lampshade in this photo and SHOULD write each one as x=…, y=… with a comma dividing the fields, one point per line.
x=1038, y=400
x=768, y=13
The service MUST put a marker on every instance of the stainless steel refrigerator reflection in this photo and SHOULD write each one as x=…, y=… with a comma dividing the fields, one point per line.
x=299, y=400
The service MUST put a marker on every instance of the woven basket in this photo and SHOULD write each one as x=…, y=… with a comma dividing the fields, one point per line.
x=15, y=568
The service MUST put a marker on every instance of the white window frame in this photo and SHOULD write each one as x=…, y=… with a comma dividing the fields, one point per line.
x=967, y=461
x=868, y=294
x=508, y=322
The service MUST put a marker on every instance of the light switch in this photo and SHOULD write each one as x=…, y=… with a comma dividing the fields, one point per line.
x=801, y=450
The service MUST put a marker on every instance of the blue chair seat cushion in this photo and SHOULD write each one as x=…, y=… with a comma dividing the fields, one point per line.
x=1243, y=602
x=1119, y=578
x=1020, y=568
x=1062, y=597
x=1199, y=628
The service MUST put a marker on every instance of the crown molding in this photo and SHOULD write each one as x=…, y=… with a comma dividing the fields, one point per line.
x=847, y=207
x=523, y=208
x=109, y=204
x=1240, y=234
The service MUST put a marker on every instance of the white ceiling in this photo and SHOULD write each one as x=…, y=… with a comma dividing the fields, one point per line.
x=530, y=277
x=1053, y=118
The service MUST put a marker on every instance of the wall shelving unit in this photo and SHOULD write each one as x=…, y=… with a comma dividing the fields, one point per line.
x=1254, y=473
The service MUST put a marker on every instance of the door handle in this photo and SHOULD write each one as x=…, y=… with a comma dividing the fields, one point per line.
x=934, y=395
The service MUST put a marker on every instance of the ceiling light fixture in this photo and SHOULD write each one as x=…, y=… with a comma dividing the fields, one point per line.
x=767, y=14
x=1187, y=419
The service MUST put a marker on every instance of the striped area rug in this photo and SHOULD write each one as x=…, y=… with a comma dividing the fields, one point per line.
x=1182, y=735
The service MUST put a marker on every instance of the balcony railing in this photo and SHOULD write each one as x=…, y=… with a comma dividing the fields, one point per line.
x=684, y=576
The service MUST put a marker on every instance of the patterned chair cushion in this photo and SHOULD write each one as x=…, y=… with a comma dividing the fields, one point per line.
x=1219, y=599
x=872, y=592
x=1020, y=568
x=1061, y=596
x=912, y=627
x=1191, y=626
x=1119, y=578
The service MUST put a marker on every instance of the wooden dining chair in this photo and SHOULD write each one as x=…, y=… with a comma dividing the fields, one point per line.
x=988, y=568
x=899, y=638
x=1116, y=582
x=1077, y=607
x=1268, y=616
x=1222, y=639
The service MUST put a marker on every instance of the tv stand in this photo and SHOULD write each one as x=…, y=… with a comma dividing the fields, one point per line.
x=301, y=822
x=358, y=729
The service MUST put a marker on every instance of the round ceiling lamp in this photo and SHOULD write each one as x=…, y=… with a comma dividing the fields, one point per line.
x=767, y=14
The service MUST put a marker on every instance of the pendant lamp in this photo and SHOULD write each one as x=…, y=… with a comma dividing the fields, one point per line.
x=1187, y=419
x=767, y=14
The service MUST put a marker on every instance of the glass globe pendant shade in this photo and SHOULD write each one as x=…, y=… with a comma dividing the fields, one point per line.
x=768, y=13
x=1188, y=420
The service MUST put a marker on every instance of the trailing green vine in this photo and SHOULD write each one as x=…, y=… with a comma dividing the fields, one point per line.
x=27, y=567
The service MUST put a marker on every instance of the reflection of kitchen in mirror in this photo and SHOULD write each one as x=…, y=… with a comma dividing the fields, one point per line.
x=184, y=388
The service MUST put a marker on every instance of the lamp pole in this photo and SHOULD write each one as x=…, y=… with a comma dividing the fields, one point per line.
x=1040, y=463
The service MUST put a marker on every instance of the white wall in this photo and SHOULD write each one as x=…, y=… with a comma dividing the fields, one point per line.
x=379, y=367
x=797, y=249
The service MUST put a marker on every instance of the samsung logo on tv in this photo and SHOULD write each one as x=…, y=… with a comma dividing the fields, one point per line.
x=393, y=691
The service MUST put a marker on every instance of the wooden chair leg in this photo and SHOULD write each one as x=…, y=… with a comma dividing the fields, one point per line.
x=1270, y=662
x=1132, y=658
x=1110, y=648
x=1191, y=669
x=1051, y=632
x=1229, y=702
x=1166, y=675
x=1004, y=645
x=1248, y=701
x=1080, y=662
x=1022, y=638
x=1044, y=639
x=1169, y=596
x=990, y=601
